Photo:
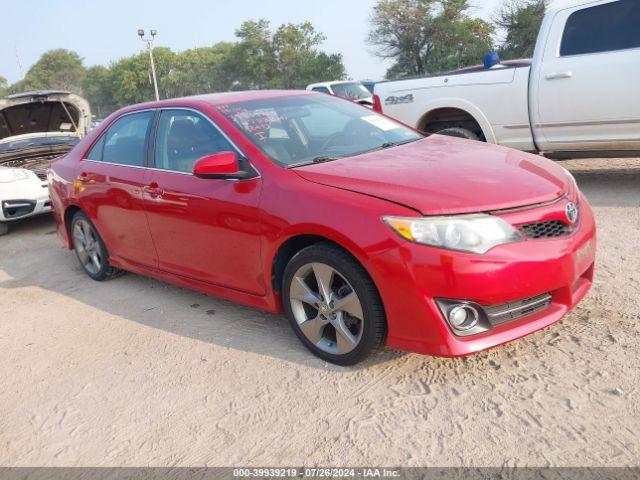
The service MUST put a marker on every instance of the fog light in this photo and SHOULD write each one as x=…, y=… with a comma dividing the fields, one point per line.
x=463, y=317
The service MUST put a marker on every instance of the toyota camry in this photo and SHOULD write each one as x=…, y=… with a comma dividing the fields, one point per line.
x=362, y=230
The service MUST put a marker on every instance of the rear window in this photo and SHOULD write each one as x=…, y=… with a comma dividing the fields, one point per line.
x=124, y=143
x=604, y=28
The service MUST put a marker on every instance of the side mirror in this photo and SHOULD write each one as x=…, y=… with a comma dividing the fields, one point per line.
x=219, y=165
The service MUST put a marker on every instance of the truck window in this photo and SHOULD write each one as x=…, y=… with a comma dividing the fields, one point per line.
x=604, y=28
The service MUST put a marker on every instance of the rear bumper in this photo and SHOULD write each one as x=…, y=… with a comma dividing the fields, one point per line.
x=412, y=276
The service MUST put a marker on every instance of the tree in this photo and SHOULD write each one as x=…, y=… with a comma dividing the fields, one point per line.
x=521, y=20
x=288, y=58
x=297, y=59
x=97, y=89
x=427, y=36
x=3, y=85
x=56, y=69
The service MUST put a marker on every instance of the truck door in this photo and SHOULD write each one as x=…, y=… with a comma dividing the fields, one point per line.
x=585, y=89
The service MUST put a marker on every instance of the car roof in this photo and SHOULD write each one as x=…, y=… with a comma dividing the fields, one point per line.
x=328, y=84
x=216, y=99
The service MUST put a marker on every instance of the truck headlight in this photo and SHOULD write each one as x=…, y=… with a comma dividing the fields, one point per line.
x=476, y=233
x=8, y=175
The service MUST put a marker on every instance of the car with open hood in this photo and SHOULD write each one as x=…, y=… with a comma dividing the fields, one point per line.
x=35, y=127
x=362, y=230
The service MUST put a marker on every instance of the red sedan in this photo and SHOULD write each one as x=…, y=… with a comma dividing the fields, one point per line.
x=362, y=230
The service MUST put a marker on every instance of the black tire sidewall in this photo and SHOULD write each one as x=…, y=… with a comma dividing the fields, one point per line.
x=459, y=132
x=105, y=268
x=357, y=278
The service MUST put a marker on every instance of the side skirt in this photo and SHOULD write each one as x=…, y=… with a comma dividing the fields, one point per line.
x=267, y=303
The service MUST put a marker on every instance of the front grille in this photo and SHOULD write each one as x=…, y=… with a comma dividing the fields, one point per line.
x=550, y=229
x=506, y=312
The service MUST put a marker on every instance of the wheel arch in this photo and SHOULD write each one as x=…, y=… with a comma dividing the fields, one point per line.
x=69, y=212
x=464, y=109
x=294, y=243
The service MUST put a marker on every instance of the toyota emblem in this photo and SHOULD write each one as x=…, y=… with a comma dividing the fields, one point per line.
x=571, y=211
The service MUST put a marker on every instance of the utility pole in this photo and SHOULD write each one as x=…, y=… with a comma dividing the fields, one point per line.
x=149, y=42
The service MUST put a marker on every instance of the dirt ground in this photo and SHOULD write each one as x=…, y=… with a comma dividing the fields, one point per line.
x=140, y=373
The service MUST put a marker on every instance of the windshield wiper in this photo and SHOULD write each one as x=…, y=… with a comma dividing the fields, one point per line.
x=324, y=158
x=320, y=159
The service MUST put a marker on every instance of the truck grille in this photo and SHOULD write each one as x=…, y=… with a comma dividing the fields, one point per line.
x=506, y=312
x=550, y=229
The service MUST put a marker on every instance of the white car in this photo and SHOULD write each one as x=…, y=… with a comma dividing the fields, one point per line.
x=579, y=95
x=348, y=89
x=35, y=128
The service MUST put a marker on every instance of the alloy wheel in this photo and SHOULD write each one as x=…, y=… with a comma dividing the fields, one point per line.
x=326, y=308
x=87, y=246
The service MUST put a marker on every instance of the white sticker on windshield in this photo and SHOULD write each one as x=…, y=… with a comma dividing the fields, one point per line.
x=382, y=123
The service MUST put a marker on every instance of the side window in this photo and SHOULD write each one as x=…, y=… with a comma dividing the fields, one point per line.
x=124, y=142
x=185, y=136
x=321, y=90
x=604, y=28
x=96, y=151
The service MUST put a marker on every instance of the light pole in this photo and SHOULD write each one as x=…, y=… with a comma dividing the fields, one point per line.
x=149, y=41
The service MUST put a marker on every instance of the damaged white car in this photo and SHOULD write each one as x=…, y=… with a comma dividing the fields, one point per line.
x=35, y=128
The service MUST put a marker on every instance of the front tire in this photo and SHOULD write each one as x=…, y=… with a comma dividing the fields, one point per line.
x=4, y=229
x=91, y=251
x=333, y=305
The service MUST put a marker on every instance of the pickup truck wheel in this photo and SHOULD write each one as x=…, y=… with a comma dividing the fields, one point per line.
x=459, y=132
x=4, y=229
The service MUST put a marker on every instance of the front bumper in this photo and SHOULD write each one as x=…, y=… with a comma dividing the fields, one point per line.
x=24, y=199
x=412, y=276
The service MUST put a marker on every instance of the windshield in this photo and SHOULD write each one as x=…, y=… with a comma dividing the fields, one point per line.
x=311, y=128
x=36, y=142
x=352, y=91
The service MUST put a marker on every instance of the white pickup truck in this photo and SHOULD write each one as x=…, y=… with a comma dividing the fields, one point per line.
x=579, y=94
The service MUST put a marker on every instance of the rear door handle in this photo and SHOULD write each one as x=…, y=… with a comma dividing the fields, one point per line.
x=559, y=75
x=153, y=190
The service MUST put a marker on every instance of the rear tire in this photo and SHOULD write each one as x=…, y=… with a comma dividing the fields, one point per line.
x=347, y=326
x=4, y=228
x=91, y=251
x=459, y=132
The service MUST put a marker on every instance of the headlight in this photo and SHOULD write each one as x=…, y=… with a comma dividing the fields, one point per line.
x=12, y=174
x=466, y=233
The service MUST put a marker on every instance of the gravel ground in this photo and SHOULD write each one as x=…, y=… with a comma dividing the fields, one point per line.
x=137, y=372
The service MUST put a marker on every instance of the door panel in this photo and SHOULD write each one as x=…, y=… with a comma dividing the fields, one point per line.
x=206, y=229
x=113, y=198
x=589, y=101
x=111, y=181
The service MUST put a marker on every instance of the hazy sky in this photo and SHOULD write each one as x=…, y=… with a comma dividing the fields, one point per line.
x=103, y=31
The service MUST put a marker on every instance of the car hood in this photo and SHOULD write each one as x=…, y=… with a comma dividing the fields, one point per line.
x=43, y=111
x=446, y=175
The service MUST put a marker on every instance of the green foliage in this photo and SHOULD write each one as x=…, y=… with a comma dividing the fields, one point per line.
x=57, y=70
x=287, y=58
x=428, y=36
x=3, y=86
x=521, y=20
